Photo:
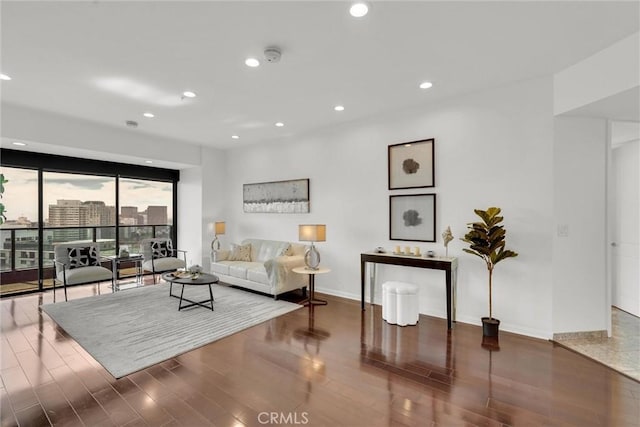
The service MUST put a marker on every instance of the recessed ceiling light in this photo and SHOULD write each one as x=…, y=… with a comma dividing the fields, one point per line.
x=425, y=85
x=4, y=77
x=19, y=144
x=189, y=94
x=338, y=108
x=235, y=137
x=148, y=161
x=252, y=62
x=149, y=115
x=358, y=10
x=279, y=124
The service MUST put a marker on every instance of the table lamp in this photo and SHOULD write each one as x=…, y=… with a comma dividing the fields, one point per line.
x=218, y=228
x=312, y=233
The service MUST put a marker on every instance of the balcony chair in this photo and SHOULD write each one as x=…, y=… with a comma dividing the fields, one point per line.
x=80, y=263
x=159, y=256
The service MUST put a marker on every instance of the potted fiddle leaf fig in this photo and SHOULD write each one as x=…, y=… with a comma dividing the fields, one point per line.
x=486, y=240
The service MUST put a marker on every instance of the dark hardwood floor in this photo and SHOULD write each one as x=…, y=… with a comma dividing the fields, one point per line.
x=331, y=366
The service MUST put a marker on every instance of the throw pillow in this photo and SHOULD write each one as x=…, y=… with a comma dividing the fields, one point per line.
x=161, y=249
x=83, y=257
x=288, y=251
x=240, y=253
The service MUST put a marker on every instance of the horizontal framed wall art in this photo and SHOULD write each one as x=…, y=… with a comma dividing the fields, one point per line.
x=411, y=164
x=277, y=197
x=412, y=217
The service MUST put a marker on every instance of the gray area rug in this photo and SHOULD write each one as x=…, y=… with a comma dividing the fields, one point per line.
x=133, y=329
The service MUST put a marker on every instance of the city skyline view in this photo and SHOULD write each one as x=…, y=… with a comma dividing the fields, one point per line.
x=21, y=193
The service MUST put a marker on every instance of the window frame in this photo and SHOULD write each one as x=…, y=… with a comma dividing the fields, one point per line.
x=44, y=162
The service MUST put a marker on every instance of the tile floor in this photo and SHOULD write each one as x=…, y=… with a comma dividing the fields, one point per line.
x=621, y=351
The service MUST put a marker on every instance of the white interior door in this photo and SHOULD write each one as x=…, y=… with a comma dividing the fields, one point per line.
x=625, y=255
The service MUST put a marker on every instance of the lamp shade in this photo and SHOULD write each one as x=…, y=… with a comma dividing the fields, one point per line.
x=219, y=227
x=312, y=232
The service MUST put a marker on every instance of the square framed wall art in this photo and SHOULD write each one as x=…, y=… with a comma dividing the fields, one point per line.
x=412, y=217
x=411, y=164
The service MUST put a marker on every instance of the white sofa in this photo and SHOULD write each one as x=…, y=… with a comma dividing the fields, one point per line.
x=268, y=271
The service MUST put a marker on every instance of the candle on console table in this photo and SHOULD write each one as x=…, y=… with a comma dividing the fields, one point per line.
x=397, y=249
x=407, y=250
x=417, y=251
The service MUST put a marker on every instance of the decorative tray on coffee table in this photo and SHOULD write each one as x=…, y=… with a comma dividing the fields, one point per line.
x=181, y=275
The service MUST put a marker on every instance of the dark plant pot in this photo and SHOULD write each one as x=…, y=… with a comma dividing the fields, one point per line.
x=490, y=327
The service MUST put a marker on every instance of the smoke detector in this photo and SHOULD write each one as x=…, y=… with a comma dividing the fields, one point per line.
x=272, y=54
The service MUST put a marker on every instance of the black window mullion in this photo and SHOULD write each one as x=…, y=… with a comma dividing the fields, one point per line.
x=117, y=215
x=40, y=231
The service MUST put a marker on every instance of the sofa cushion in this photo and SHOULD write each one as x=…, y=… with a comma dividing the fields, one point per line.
x=221, y=267
x=83, y=257
x=238, y=269
x=288, y=251
x=163, y=264
x=240, y=252
x=263, y=250
x=253, y=271
x=161, y=249
x=61, y=251
x=269, y=250
x=86, y=274
x=258, y=275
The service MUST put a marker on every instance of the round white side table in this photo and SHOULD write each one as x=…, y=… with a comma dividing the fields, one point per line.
x=312, y=274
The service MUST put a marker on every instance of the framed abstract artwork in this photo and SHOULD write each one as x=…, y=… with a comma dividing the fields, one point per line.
x=411, y=164
x=412, y=217
x=276, y=197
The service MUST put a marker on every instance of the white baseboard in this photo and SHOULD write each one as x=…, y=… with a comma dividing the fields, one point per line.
x=504, y=326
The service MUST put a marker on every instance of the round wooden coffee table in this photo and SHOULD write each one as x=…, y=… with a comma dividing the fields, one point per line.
x=203, y=279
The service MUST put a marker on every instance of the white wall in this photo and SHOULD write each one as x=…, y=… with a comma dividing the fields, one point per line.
x=190, y=201
x=626, y=230
x=608, y=72
x=492, y=148
x=214, y=193
x=579, y=257
x=622, y=132
x=201, y=201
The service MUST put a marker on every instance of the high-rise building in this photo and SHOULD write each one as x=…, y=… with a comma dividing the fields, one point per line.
x=157, y=215
x=65, y=213
x=128, y=211
x=75, y=213
x=97, y=213
x=129, y=215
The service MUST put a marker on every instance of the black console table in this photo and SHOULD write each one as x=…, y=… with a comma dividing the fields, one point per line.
x=448, y=264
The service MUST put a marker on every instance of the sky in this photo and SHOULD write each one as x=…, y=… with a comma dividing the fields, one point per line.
x=21, y=192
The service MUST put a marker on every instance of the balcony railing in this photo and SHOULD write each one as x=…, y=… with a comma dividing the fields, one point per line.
x=19, y=252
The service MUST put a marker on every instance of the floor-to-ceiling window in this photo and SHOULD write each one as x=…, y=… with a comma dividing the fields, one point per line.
x=19, y=229
x=49, y=199
x=79, y=207
x=146, y=210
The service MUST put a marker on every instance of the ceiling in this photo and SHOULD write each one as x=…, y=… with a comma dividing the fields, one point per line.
x=109, y=62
